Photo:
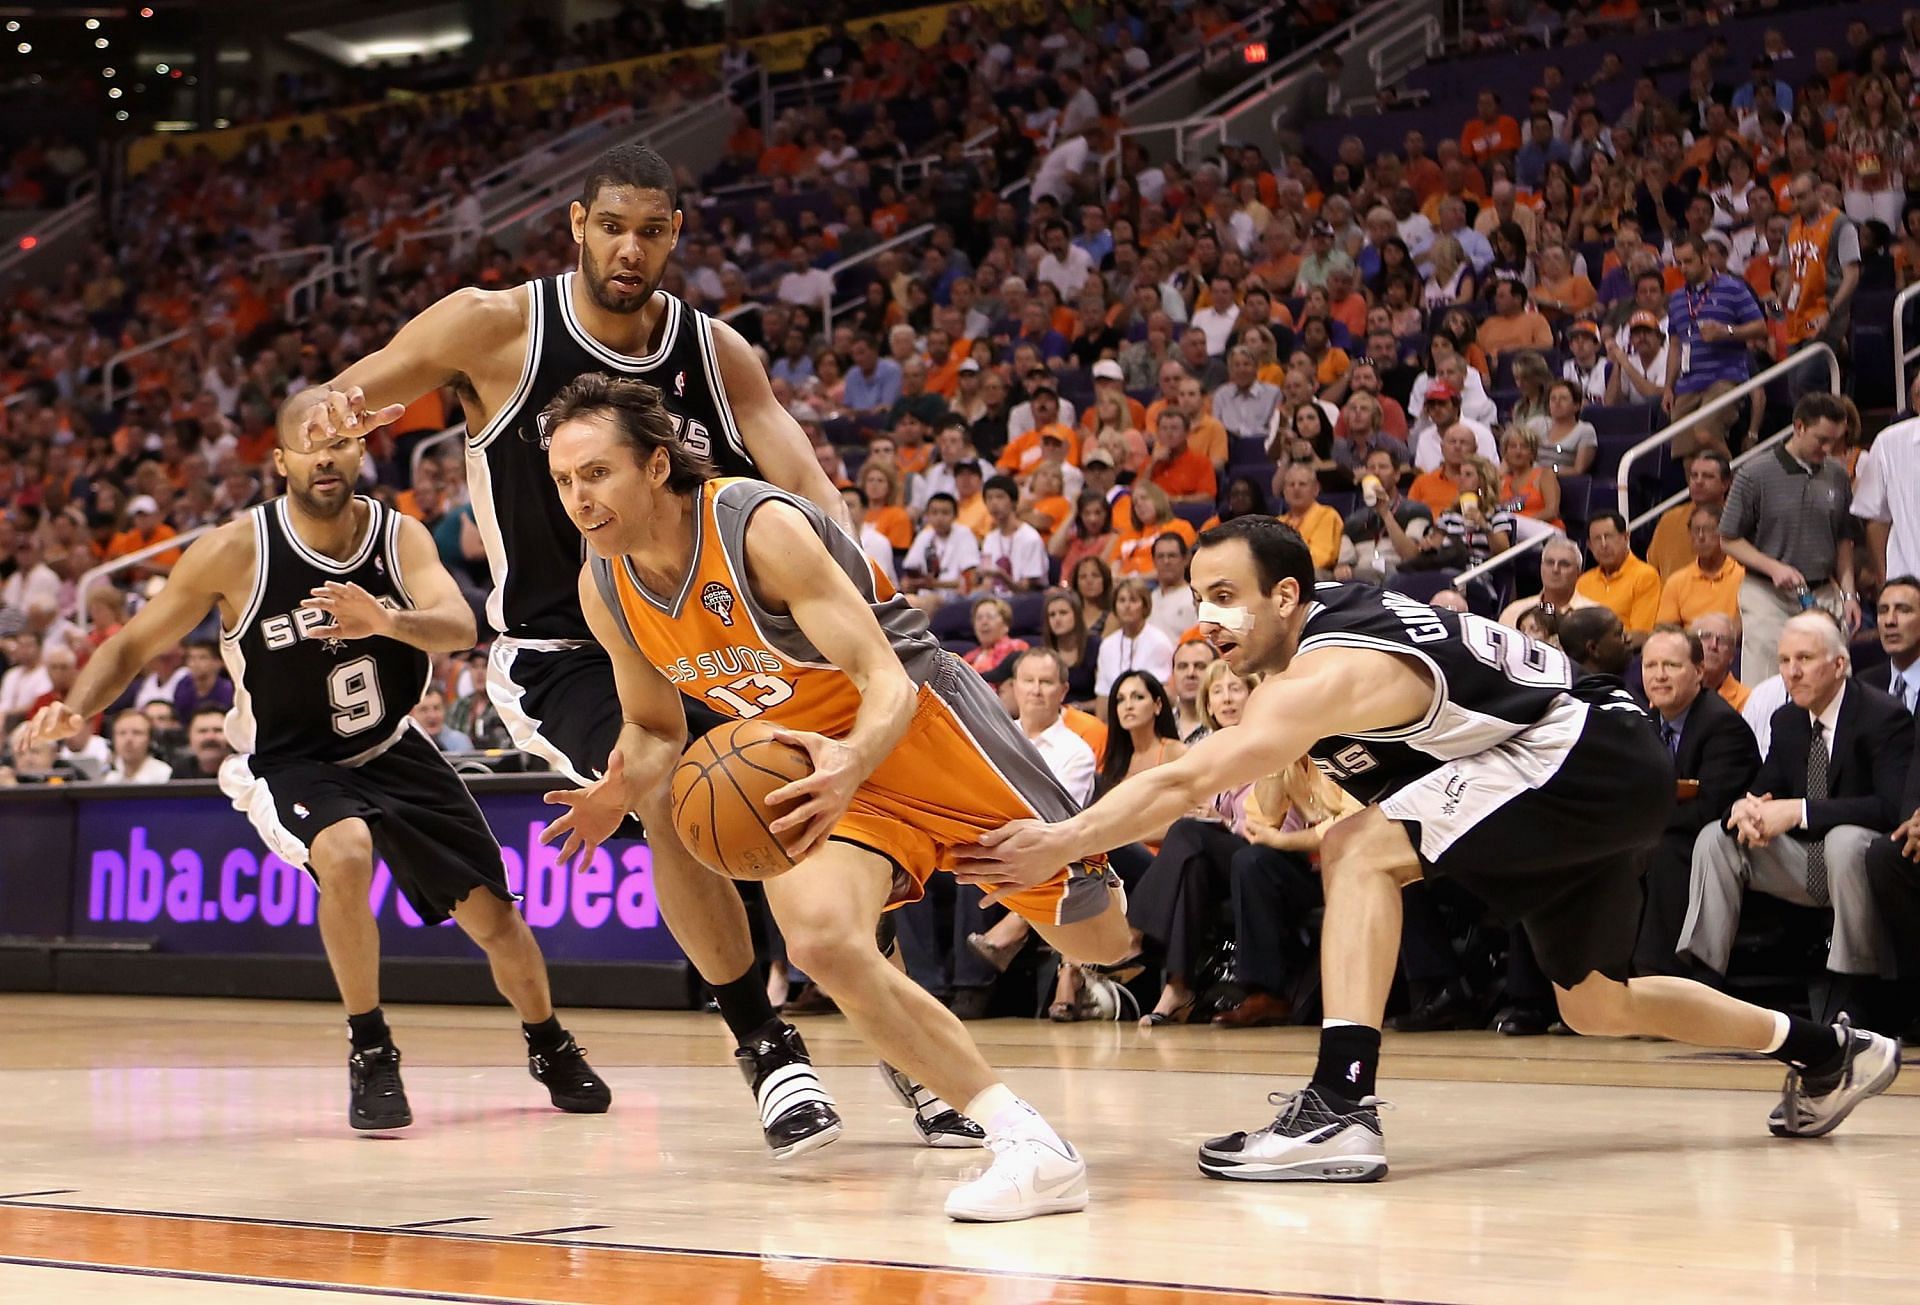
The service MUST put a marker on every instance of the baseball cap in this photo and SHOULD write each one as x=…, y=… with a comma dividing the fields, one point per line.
x=1322, y=227
x=1108, y=370
x=1441, y=392
x=970, y=365
x=142, y=503
x=1645, y=318
x=1715, y=236
x=1096, y=454
x=1583, y=328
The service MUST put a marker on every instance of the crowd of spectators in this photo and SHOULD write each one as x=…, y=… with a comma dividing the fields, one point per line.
x=1421, y=358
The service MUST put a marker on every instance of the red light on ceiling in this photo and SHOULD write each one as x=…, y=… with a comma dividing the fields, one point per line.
x=28, y=242
x=177, y=74
x=1254, y=52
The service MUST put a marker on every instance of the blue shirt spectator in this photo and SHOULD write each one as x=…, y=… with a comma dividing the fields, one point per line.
x=1719, y=298
x=873, y=384
x=1542, y=148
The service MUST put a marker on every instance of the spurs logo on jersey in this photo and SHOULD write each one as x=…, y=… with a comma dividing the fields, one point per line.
x=289, y=628
x=716, y=642
x=533, y=551
x=1490, y=683
x=298, y=691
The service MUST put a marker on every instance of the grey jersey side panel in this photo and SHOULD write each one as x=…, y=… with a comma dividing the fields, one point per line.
x=904, y=626
x=602, y=571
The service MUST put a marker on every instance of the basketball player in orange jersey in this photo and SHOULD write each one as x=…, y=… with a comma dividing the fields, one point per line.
x=1823, y=264
x=506, y=353
x=735, y=593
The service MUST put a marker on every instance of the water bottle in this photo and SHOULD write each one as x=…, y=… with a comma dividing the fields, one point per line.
x=1804, y=595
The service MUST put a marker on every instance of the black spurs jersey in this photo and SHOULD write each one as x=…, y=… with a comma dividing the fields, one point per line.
x=533, y=549
x=1489, y=684
x=297, y=693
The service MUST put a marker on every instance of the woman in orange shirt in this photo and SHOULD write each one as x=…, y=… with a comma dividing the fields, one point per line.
x=1044, y=506
x=1528, y=490
x=880, y=479
x=1152, y=517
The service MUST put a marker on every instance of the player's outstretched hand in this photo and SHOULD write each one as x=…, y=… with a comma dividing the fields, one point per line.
x=822, y=796
x=1019, y=854
x=54, y=723
x=342, y=412
x=355, y=613
x=593, y=813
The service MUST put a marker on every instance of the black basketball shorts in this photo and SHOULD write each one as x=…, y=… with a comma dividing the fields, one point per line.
x=1551, y=829
x=424, y=822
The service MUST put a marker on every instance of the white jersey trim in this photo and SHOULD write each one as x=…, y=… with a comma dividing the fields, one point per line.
x=529, y=365
x=505, y=693
x=321, y=561
x=716, y=384
x=393, y=558
x=259, y=591
x=253, y=799
x=624, y=362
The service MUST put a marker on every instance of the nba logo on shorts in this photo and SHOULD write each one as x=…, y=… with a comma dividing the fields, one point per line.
x=718, y=599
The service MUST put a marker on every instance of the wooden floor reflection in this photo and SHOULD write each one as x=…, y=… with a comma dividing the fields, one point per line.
x=175, y=1150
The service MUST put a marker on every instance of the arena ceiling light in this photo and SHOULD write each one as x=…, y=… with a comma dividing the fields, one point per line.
x=93, y=24
x=13, y=25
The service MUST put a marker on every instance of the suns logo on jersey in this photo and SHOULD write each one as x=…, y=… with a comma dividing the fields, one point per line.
x=718, y=599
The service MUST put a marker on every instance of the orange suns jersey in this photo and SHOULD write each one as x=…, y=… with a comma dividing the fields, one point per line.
x=716, y=642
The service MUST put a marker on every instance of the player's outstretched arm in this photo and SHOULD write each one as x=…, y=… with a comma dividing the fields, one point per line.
x=653, y=734
x=213, y=566
x=773, y=438
x=1334, y=691
x=791, y=567
x=423, y=355
x=440, y=619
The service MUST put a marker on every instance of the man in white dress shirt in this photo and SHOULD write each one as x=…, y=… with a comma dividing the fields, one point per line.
x=1887, y=494
x=1173, y=610
x=1040, y=690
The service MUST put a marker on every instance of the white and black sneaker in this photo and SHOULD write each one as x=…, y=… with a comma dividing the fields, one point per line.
x=938, y=1123
x=1316, y=1137
x=1814, y=1105
x=796, y=1113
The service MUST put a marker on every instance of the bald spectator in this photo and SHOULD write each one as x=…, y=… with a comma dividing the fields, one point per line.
x=1439, y=489
x=1502, y=207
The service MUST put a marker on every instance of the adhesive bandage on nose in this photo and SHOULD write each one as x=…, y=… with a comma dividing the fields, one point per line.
x=1227, y=618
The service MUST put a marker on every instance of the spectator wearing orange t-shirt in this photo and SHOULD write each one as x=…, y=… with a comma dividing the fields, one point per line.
x=1491, y=135
x=1185, y=475
x=147, y=530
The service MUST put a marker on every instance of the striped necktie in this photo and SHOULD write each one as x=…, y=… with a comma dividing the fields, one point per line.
x=1817, y=761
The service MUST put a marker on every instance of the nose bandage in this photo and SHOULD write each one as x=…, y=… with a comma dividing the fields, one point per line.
x=1227, y=618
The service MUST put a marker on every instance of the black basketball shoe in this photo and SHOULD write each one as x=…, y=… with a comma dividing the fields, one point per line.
x=378, y=1101
x=796, y=1113
x=937, y=1123
x=569, y=1079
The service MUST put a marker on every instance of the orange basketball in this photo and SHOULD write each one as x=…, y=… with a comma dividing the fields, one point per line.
x=719, y=798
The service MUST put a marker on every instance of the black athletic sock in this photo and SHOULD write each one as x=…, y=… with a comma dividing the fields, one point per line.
x=744, y=1005
x=1812, y=1047
x=370, y=1030
x=544, y=1036
x=1349, y=1058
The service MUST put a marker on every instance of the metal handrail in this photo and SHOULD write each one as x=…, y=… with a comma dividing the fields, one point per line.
x=1730, y=399
x=1727, y=400
x=1429, y=32
x=108, y=391
x=318, y=277
x=1220, y=45
x=925, y=228
x=301, y=251
x=1901, y=354
x=90, y=578
x=75, y=213
x=419, y=454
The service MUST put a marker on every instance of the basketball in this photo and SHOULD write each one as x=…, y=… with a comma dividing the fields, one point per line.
x=720, y=804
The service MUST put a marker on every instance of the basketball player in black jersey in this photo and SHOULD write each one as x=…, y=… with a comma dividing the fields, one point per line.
x=1481, y=759
x=329, y=604
x=506, y=353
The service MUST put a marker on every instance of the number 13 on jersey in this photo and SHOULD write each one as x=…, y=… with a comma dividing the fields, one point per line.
x=750, y=695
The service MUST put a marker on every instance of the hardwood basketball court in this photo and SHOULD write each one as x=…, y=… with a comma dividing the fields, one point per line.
x=176, y=1150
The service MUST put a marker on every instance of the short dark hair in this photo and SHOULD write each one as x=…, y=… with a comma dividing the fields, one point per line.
x=1819, y=406
x=1619, y=522
x=1717, y=458
x=1278, y=551
x=205, y=645
x=1005, y=484
x=941, y=496
x=1582, y=628
x=638, y=166
x=865, y=502
x=638, y=416
x=1900, y=582
x=1698, y=244
x=1179, y=542
x=1695, y=649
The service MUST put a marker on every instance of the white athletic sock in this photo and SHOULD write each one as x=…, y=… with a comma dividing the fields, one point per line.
x=1344, y=1024
x=1780, y=1027
x=1000, y=1112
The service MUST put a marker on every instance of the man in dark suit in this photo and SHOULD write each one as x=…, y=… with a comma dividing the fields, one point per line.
x=1715, y=758
x=1832, y=782
x=1897, y=623
x=1893, y=871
